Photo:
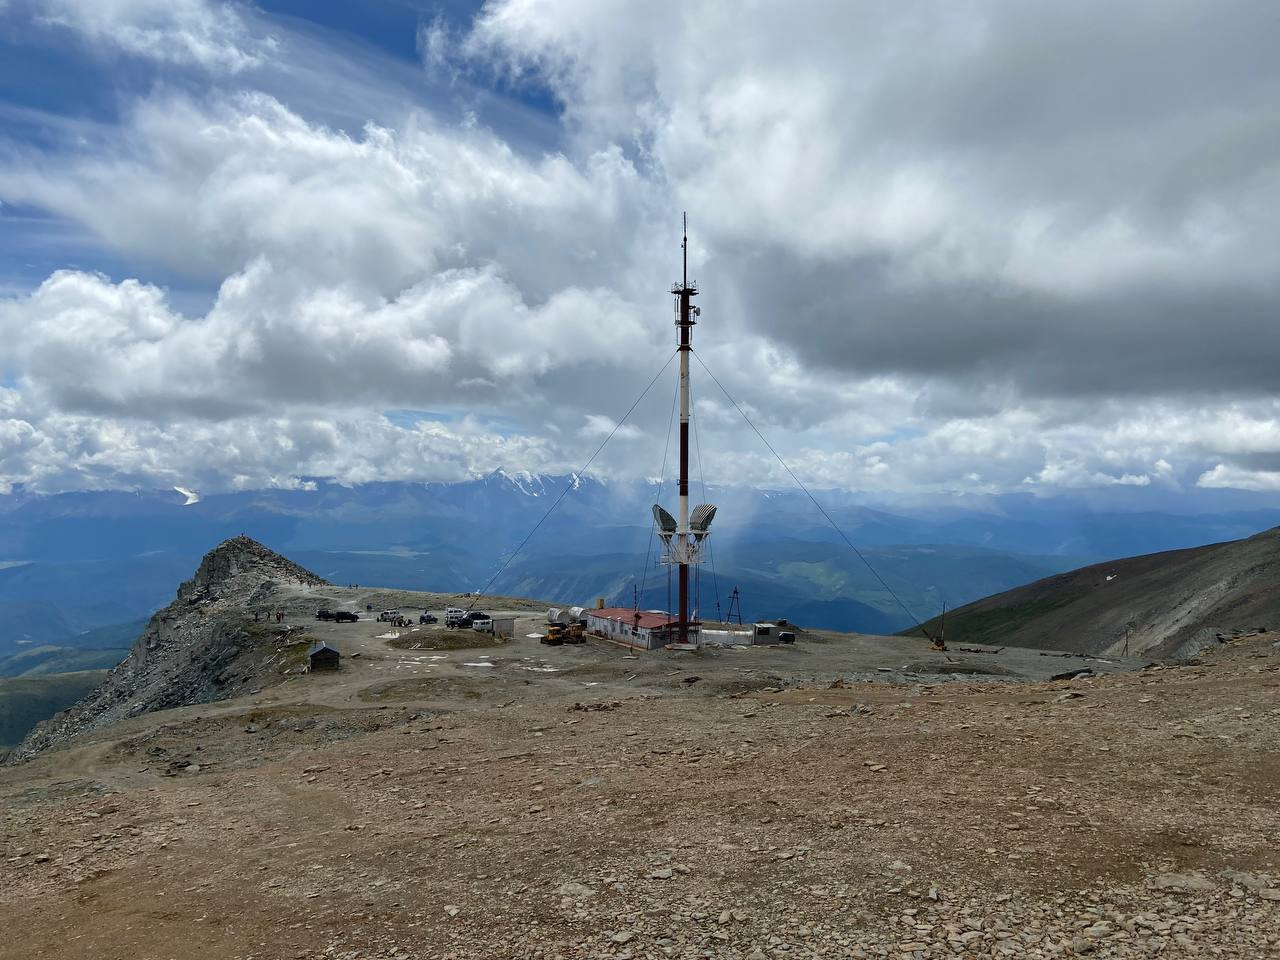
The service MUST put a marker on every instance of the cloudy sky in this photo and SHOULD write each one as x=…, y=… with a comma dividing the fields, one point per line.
x=945, y=249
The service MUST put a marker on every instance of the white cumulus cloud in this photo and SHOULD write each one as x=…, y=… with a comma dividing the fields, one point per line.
x=953, y=249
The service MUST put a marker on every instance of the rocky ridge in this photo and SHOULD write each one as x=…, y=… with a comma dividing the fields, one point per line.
x=204, y=646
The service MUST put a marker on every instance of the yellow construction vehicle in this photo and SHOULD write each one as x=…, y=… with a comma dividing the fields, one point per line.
x=558, y=633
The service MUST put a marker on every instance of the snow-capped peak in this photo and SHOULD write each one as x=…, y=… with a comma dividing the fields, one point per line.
x=531, y=485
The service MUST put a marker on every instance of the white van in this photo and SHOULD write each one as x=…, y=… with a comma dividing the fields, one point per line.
x=453, y=616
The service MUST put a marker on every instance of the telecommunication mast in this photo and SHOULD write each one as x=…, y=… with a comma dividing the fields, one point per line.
x=682, y=538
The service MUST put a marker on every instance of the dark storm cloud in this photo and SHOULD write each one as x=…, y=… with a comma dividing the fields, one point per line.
x=859, y=318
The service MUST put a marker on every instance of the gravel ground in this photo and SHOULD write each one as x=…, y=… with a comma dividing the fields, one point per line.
x=1131, y=815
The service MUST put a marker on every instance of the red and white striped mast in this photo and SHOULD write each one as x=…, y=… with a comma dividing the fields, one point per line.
x=683, y=536
x=684, y=291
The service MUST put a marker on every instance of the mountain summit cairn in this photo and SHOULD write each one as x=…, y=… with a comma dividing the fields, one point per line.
x=205, y=646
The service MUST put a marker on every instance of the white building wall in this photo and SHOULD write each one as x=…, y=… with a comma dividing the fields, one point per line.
x=764, y=633
x=725, y=638
x=626, y=632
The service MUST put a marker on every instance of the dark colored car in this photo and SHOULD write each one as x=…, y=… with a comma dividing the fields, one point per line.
x=470, y=618
x=428, y=618
x=324, y=614
x=345, y=616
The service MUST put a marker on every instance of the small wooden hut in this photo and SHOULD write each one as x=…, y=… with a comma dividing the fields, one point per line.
x=321, y=656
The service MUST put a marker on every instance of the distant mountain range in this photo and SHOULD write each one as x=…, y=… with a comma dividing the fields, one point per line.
x=79, y=570
x=1163, y=604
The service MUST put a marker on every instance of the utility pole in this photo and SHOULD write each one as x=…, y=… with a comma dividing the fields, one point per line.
x=684, y=291
x=735, y=608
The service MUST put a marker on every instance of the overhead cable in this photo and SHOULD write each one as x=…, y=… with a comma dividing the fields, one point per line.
x=662, y=476
x=573, y=480
x=919, y=624
x=702, y=477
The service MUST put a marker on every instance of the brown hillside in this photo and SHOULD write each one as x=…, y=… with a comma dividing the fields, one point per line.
x=1128, y=816
x=1168, y=604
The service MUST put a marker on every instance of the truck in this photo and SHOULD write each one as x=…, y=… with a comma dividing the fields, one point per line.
x=453, y=616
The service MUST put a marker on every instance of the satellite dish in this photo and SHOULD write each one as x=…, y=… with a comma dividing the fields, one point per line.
x=700, y=520
x=666, y=523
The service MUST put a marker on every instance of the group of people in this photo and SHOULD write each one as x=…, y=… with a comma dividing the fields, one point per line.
x=395, y=619
x=278, y=614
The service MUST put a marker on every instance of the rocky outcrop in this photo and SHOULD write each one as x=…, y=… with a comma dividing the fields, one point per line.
x=242, y=569
x=204, y=646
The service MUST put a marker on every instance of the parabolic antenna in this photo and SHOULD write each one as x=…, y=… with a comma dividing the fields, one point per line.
x=700, y=520
x=666, y=523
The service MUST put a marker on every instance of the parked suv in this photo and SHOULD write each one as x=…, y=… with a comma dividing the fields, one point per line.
x=324, y=614
x=428, y=618
x=345, y=616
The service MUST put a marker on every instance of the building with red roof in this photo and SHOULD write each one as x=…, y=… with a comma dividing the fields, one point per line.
x=646, y=629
